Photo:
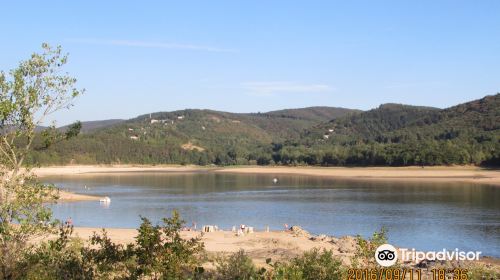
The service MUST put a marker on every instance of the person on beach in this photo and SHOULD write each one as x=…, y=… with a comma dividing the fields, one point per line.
x=69, y=222
x=286, y=227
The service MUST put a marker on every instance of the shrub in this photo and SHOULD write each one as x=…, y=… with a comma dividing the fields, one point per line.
x=481, y=272
x=108, y=260
x=158, y=253
x=161, y=252
x=314, y=264
x=237, y=266
x=366, y=251
x=57, y=259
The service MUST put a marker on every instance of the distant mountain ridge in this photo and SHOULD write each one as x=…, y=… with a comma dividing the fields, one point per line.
x=317, y=113
x=392, y=134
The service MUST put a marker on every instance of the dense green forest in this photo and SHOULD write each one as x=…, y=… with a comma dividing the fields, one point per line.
x=390, y=135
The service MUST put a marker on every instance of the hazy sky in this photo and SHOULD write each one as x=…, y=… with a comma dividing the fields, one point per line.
x=246, y=56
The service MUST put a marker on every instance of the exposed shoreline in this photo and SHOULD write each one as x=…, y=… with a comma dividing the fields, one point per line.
x=444, y=174
x=259, y=245
x=438, y=174
x=65, y=196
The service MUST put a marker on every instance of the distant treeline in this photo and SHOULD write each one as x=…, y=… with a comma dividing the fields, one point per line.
x=391, y=135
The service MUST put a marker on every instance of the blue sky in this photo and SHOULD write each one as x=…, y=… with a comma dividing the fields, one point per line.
x=246, y=56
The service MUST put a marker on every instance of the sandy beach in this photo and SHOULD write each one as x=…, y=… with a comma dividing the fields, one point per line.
x=277, y=245
x=65, y=196
x=103, y=169
x=457, y=174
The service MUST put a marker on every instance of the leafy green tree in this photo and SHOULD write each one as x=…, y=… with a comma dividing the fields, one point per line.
x=28, y=95
x=161, y=253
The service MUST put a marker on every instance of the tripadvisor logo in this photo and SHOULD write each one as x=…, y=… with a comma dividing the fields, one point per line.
x=386, y=255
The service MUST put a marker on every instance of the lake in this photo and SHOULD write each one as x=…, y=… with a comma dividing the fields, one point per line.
x=425, y=216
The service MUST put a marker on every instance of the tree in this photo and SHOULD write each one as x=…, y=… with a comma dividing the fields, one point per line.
x=161, y=252
x=28, y=95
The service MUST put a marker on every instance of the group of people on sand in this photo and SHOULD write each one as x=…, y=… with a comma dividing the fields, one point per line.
x=241, y=230
x=192, y=228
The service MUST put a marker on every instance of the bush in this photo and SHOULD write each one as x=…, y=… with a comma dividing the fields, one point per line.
x=108, y=260
x=237, y=266
x=481, y=272
x=57, y=259
x=366, y=252
x=158, y=253
x=315, y=264
x=162, y=253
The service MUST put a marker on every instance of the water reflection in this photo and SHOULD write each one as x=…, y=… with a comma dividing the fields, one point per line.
x=421, y=215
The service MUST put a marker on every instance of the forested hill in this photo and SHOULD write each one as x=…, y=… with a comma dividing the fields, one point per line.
x=395, y=134
x=478, y=116
x=188, y=136
x=376, y=122
x=392, y=134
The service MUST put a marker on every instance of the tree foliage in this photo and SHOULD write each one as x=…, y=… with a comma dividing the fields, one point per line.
x=28, y=95
x=158, y=253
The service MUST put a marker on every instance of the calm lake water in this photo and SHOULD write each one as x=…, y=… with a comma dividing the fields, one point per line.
x=417, y=215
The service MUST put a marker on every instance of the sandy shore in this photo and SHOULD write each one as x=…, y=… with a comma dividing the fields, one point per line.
x=407, y=174
x=65, y=196
x=467, y=174
x=277, y=245
x=108, y=169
